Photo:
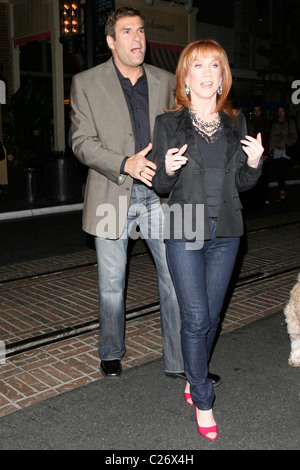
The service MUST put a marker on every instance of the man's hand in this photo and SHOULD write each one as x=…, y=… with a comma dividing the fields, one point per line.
x=139, y=167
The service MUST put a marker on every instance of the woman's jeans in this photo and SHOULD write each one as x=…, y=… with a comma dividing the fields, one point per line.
x=201, y=277
x=146, y=212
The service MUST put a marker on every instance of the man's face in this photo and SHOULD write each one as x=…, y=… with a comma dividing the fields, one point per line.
x=129, y=47
x=257, y=111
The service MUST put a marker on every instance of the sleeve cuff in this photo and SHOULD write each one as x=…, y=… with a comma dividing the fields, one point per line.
x=122, y=172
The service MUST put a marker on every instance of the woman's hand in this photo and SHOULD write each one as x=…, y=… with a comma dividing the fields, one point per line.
x=174, y=159
x=253, y=148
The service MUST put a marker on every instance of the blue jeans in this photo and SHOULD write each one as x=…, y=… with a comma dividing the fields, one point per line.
x=201, y=277
x=145, y=211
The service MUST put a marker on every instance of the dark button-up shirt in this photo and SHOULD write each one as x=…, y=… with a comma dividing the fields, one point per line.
x=138, y=106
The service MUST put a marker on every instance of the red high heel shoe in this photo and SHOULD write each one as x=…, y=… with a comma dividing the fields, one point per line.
x=204, y=431
x=187, y=397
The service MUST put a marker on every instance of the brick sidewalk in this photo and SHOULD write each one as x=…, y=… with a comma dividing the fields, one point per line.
x=45, y=304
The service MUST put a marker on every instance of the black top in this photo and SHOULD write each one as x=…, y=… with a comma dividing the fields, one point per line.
x=137, y=101
x=213, y=154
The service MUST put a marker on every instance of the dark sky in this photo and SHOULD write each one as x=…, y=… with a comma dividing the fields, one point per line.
x=220, y=13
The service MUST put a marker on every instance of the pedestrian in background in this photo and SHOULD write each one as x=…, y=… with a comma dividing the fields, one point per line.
x=283, y=136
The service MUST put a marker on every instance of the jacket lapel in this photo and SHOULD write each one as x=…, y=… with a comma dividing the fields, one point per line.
x=231, y=135
x=186, y=134
x=193, y=151
x=153, y=87
x=114, y=90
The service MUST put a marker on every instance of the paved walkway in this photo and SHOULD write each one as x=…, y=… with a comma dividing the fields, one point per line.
x=143, y=414
x=49, y=307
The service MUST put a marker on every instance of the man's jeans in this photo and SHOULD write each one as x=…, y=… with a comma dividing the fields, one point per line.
x=201, y=277
x=145, y=211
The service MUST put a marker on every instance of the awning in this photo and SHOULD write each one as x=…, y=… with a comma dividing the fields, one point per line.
x=35, y=37
x=164, y=56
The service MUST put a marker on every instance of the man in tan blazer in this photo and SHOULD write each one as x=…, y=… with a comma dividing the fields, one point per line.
x=114, y=106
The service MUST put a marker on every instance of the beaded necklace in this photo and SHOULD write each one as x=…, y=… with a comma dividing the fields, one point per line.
x=208, y=127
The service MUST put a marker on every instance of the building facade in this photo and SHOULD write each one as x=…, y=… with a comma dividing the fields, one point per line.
x=33, y=59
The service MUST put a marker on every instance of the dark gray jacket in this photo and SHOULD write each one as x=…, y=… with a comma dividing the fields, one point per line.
x=186, y=188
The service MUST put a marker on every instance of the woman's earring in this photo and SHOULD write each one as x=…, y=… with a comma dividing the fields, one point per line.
x=220, y=90
x=187, y=89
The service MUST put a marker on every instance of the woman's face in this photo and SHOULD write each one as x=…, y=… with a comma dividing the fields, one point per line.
x=204, y=77
x=281, y=113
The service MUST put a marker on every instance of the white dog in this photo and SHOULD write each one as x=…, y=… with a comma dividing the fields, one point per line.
x=292, y=318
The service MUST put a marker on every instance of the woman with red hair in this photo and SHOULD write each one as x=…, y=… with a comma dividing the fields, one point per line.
x=204, y=159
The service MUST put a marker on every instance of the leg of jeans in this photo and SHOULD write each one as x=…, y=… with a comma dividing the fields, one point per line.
x=201, y=279
x=169, y=310
x=187, y=268
x=112, y=262
x=151, y=225
x=111, y=258
x=220, y=256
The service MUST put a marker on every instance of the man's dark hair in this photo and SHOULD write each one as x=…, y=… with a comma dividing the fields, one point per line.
x=116, y=15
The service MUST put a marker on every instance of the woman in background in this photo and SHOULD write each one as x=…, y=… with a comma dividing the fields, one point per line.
x=283, y=134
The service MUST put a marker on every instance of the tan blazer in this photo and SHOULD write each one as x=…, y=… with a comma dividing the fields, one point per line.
x=102, y=136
